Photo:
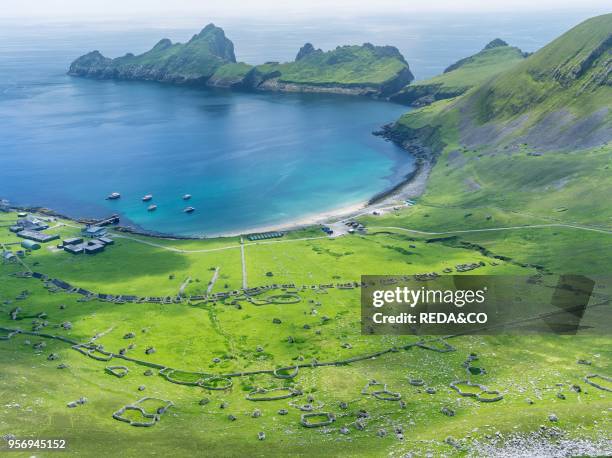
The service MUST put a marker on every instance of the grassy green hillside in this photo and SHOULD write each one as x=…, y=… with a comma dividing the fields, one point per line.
x=495, y=58
x=531, y=146
x=378, y=66
x=557, y=98
x=239, y=335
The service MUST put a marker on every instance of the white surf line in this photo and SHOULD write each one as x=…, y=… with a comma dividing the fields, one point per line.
x=213, y=280
x=507, y=228
x=244, y=272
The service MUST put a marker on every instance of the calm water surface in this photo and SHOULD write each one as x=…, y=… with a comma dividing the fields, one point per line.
x=249, y=160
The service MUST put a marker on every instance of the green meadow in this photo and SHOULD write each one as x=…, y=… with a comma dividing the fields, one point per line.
x=232, y=336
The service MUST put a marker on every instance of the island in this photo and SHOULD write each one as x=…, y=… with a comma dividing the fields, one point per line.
x=208, y=59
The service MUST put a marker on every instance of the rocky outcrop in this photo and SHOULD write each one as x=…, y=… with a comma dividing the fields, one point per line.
x=305, y=50
x=193, y=62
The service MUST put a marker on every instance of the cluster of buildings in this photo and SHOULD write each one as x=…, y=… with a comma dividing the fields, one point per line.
x=93, y=240
x=31, y=228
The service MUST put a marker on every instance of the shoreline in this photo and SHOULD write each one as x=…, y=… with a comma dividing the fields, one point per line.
x=412, y=185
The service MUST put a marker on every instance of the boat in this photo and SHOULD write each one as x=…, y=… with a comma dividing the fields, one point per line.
x=147, y=198
x=152, y=208
x=187, y=197
x=189, y=210
x=113, y=196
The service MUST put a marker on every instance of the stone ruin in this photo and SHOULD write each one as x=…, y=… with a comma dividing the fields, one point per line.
x=328, y=419
x=150, y=418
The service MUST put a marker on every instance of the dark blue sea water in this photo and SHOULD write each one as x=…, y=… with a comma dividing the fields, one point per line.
x=249, y=160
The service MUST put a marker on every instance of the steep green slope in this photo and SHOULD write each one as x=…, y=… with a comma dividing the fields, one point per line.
x=495, y=58
x=194, y=61
x=532, y=146
x=557, y=99
x=362, y=69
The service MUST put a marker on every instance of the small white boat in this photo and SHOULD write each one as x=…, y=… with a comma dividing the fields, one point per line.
x=189, y=210
x=113, y=196
x=147, y=198
x=152, y=208
x=187, y=197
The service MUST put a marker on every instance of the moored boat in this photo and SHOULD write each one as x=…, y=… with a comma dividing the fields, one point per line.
x=152, y=208
x=147, y=198
x=187, y=197
x=189, y=210
x=113, y=196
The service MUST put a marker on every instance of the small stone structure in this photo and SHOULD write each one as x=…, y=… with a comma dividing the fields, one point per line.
x=329, y=418
x=117, y=371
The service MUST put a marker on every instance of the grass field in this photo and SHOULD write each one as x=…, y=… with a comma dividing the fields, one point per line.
x=190, y=337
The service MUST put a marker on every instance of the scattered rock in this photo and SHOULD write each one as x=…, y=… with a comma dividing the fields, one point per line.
x=552, y=417
x=256, y=413
x=216, y=360
x=447, y=411
x=343, y=405
x=204, y=401
x=150, y=350
x=52, y=357
x=129, y=335
x=344, y=430
x=62, y=366
x=381, y=433
x=430, y=390
x=283, y=411
x=148, y=373
x=261, y=435
x=230, y=417
x=276, y=321
x=561, y=396
x=141, y=388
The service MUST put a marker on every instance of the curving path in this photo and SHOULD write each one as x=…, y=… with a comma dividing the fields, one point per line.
x=506, y=228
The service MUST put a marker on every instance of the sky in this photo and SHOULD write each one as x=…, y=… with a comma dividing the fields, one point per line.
x=100, y=9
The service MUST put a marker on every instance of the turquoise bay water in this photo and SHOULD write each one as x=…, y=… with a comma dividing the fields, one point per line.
x=248, y=159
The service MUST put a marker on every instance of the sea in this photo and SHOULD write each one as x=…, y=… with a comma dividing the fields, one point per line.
x=249, y=160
